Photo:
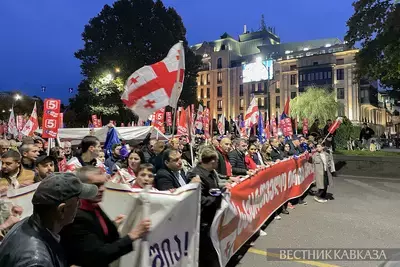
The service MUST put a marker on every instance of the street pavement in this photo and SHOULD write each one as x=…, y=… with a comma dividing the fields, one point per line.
x=364, y=214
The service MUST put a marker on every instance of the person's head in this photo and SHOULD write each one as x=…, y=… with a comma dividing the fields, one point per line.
x=174, y=143
x=172, y=160
x=303, y=140
x=320, y=147
x=56, y=199
x=274, y=142
x=209, y=159
x=57, y=152
x=365, y=125
x=4, y=146
x=39, y=143
x=145, y=175
x=240, y=144
x=254, y=140
x=183, y=140
x=226, y=145
x=29, y=151
x=102, y=156
x=95, y=176
x=159, y=147
x=252, y=149
x=151, y=144
x=281, y=139
x=296, y=141
x=67, y=148
x=310, y=144
x=287, y=147
x=27, y=140
x=45, y=166
x=266, y=148
x=11, y=162
x=116, y=149
x=90, y=145
x=135, y=159
x=215, y=141
x=329, y=122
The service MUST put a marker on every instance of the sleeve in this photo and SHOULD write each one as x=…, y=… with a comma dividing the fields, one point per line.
x=233, y=161
x=164, y=182
x=86, y=246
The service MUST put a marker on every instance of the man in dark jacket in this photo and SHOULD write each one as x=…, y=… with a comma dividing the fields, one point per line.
x=93, y=239
x=236, y=158
x=115, y=157
x=366, y=134
x=224, y=165
x=171, y=175
x=210, y=202
x=35, y=240
x=276, y=153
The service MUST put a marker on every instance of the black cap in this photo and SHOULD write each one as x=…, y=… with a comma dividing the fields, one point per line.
x=42, y=158
x=60, y=187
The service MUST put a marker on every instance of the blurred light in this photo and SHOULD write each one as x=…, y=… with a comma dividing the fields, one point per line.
x=4, y=111
x=288, y=52
x=328, y=45
x=258, y=59
x=117, y=70
x=10, y=110
x=306, y=49
x=17, y=97
x=109, y=76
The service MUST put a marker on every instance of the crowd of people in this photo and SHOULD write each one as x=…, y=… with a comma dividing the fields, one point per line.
x=69, y=228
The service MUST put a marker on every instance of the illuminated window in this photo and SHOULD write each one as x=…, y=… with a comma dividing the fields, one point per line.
x=201, y=93
x=293, y=79
x=301, y=77
x=219, y=104
x=219, y=63
x=241, y=90
x=340, y=93
x=219, y=91
x=219, y=77
x=340, y=74
x=278, y=102
x=241, y=104
x=208, y=78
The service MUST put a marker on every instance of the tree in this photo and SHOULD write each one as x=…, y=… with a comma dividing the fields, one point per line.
x=375, y=24
x=315, y=103
x=121, y=39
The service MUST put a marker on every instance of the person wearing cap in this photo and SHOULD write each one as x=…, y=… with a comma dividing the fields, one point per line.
x=93, y=239
x=44, y=167
x=35, y=241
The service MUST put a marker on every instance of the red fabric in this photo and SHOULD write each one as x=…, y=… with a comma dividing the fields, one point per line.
x=227, y=163
x=89, y=206
x=250, y=164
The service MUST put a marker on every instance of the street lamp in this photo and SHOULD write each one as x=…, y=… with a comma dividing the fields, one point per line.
x=117, y=70
x=17, y=97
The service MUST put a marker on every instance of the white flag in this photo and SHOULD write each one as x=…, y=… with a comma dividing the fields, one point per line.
x=32, y=124
x=12, y=125
x=199, y=118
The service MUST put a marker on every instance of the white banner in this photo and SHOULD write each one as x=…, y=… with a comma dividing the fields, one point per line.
x=175, y=218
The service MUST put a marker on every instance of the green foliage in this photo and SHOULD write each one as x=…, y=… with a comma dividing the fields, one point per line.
x=346, y=131
x=314, y=103
x=127, y=35
x=375, y=24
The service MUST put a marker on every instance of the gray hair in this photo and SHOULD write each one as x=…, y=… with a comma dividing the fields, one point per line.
x=237, y=141
x=25, y=148
x=82, y=173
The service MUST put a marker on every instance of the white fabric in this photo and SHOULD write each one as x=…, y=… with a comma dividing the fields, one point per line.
x=124, y=133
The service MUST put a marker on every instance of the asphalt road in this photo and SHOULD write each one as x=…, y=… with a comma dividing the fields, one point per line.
x=364, y=214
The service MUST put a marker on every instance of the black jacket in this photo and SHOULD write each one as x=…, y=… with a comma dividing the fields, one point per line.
x=85, y=243
x=166, y=180
x=221, y=164
x=276, y=154
x=236, y=158
x=366, y=133
x=30, y=244
x=209, y=204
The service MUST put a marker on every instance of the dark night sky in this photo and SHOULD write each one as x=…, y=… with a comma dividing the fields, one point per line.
x=38, y=38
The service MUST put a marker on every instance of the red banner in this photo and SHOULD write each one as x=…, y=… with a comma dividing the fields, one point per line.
x=287, y=127
x=159, y=120
x=255, y=199
x=274, y=128
x=61, y=120
x=20, y=122
x=305, y=126
x=50, y=123
x=206, y=123
x=169, y=118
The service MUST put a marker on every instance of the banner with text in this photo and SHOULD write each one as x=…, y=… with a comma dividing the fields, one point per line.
x=51, y=118
x=252, y=201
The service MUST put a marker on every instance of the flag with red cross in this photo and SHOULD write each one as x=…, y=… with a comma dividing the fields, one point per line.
x=156, y=86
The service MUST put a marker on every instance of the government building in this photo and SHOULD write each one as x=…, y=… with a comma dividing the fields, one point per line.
x=258, y=65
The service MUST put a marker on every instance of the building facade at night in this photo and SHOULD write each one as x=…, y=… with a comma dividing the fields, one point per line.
x=258, y=65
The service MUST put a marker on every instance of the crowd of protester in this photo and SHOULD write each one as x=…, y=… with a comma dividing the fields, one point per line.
x=73, y=183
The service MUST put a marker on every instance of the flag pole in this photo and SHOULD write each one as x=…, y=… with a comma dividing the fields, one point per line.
x=174, y=121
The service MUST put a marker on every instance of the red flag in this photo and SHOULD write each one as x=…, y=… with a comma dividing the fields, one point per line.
x=335, y=125
x=206, y=122
x=305, y=126
x=61, y=120
x=267, y=130
x=169, y=119
x=182, y=124
x=50, y=123
x=287, y=127
x=159, y=120
x=32, y=124
x=156, y=86
x=274, y=127
x=286, y=110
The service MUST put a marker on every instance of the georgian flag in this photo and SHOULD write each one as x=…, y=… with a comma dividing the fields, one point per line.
x=199, y=118
x=156, y=86
x=32, y=124
x=12, y=125
x=251, y=116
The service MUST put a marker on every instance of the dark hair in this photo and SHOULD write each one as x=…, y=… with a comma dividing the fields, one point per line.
x=252, y=139
x=16, y=156
x=167, y=153
x=140, y=154
x=146, y=166
x=87, y=142
x=208, y=155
